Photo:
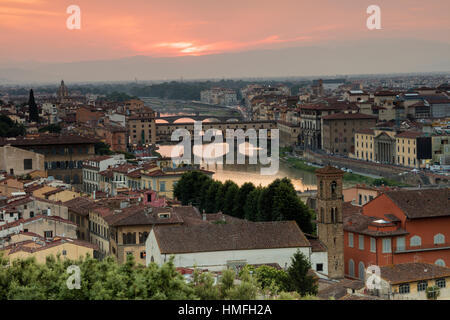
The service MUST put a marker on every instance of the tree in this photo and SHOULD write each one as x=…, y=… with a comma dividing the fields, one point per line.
x=251, y=204
x=270, y=277
x=52, y=128
x=299, y=279
x=288, y=206
x=204, y=194
x=32, y=108
x=265, y=202
x=189, y=187
x=211, y=196
x=246, y=290
x=102, y=148
x=230, y=198
x=100, y=280
x=220, y=196
x=241, y=198
x=9, y=128
x=204, y=287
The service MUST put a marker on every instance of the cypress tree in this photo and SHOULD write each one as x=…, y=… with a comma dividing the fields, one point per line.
x=33, y=109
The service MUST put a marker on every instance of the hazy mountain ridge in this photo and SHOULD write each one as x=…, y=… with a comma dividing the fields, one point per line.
x=380, y=56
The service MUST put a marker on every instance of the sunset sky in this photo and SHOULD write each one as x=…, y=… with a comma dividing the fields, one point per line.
x=35, y=30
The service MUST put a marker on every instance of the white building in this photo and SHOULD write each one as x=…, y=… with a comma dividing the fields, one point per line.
x=50, y=111
x=92, y=168
x=218, y=246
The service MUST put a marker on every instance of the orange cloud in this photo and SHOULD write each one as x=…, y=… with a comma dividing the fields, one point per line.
x=114, y=29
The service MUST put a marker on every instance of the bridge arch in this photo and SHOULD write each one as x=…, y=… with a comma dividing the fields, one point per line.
x=184, y=120
x=211, y=120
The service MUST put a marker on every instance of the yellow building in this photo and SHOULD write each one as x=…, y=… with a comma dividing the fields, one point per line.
x=364, y=145
x=406, y=149
x=130, y=228
x=411, y=281
x=63, y=195
x=142, y=128
x=164, y=180
x=39, y=193
x=40, y=249
x=99, y=230
x=376, y=145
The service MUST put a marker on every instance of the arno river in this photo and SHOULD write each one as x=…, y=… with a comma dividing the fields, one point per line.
x=240, y=174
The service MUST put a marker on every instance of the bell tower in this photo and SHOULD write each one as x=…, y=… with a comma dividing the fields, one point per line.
x=330, y=228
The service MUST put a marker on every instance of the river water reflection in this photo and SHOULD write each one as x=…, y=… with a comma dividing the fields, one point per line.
x=302, y=180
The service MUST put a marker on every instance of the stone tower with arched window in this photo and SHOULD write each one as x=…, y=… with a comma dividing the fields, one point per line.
x=329, y=218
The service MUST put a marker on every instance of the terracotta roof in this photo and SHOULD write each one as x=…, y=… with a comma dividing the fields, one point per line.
x=57, y=241
x=424, y=203
x=317, y=245
x=413, y=271
x=329, y=170
x=334, y=291
x=100, y=158
x=134, y=174
x=80, y=205
x=142, y=215
x=360, y=297
x=359, y=223
x=349, y=116
x=214, y=217
x=409, y=134
x=348, y=208
x=366, y=131
x=223, y=237
x=47, y=139
x=125, y=168
x=385, y=93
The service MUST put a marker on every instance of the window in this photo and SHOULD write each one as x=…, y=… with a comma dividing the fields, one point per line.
x=27, y=164
x=387, y=245
x=333, y=188
x=404, y=288
x=143, y=254
x=439, y=239
x=142, y=237
x=48, y=234
x=350, y=240
x=415, y=241
x=361, y=242
x=361, y=271
x=440, y=262
x=319, y=267
x=422, y=285
x=162, y=186
x=400, y=243
x=440, y=283
x=64, y=252
x=351, y=268
x=373, y=245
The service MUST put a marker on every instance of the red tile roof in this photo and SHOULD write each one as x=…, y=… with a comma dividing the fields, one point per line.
x=349, y=116
x=224, y=237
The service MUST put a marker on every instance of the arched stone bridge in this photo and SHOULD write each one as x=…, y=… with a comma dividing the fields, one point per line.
x=173, y=119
